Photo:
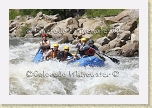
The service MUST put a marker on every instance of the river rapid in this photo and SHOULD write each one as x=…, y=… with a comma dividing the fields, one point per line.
x=58, y=78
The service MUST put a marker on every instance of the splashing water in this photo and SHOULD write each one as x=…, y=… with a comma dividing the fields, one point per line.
x=58, y=78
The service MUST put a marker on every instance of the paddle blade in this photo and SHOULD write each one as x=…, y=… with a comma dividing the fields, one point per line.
x=115, y=60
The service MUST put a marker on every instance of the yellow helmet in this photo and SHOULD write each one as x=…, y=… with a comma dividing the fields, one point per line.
x=56, y=45
x=66, y=48
x=83, y=39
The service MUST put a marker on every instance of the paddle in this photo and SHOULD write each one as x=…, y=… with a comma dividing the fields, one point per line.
x=100, y=56
x=113, y=59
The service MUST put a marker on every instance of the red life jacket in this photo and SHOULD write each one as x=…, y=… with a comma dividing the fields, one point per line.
x=90, y=52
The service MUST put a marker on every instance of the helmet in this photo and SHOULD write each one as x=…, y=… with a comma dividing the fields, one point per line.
x=56, y=45
x=44, y=35
x=83, y=39
x=91, y=42
x=66, y=48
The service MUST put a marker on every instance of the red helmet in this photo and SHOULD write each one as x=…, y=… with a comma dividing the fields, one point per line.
x=44, y=35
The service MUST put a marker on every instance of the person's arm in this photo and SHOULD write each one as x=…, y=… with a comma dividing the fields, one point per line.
x=41, y=46
x=48, y=44
x=47, y=54
x=77, y=45
x=96, y=48
x=40, y=43
x=82, y=47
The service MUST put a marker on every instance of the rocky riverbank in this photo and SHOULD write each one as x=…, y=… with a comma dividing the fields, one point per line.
x=114, y=35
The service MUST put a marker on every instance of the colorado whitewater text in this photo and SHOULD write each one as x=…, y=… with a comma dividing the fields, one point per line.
x=71, y=74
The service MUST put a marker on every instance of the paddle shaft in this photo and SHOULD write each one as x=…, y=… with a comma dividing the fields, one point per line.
x=100, y=56
x=113, y=59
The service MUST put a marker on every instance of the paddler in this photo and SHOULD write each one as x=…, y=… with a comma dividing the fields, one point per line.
x=44, y=44
x=63, y=55
x=91, y=44
x=84, y=49
x=52, y=53
x=80, y=46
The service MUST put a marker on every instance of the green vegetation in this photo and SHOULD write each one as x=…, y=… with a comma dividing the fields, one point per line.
x=24, y=30
x=101, y=32
x=91, y=13
x=65, y=13
x=13, y=13
x=31, y=12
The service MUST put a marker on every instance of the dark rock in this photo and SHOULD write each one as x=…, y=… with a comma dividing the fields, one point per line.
x=117, y=51
x=102, y=41
x=111, y=35
x=49, y=26
x=124, y=35
x=63, y=40
x=104, y=48
x=129, y=25
x=116, y=43
x=136, y=31
x=134, y=38
x=69, y=37
x=127, y=15
x=130, y=49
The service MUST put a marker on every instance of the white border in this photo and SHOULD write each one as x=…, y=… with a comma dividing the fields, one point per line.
x=142, y=5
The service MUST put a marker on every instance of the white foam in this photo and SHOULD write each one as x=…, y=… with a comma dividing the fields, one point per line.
x=84, y=83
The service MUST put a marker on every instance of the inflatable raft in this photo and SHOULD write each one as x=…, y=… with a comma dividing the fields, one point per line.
x=39, y=56
x=91, y=61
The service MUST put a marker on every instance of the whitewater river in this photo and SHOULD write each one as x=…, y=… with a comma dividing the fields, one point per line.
x=58, y=78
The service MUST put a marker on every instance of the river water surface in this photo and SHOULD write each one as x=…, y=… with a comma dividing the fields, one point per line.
x=58, y=78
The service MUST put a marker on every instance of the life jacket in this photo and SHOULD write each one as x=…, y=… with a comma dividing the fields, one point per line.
x=54, y=53
x=62, y=56
x=90, y=52
x=79, y=51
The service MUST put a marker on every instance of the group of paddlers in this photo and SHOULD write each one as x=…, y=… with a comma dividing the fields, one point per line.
x=84, y=48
